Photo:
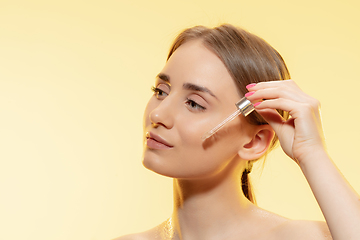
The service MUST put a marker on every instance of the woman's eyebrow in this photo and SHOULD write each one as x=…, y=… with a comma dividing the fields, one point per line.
x=164, y=77
x=186, y=86
x=194, y=87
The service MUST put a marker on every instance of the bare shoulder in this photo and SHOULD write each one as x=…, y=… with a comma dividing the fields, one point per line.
x=147, y=235
x=135, y=236
x=300, y=229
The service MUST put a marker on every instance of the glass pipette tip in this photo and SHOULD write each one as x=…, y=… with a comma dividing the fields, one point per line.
x=244, y=107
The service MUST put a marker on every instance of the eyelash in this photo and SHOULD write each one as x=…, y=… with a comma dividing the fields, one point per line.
x=157, y=91
x=191, y=103
x=194, y=105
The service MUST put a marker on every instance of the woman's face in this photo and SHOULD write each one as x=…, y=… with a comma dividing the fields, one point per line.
x=193, y=93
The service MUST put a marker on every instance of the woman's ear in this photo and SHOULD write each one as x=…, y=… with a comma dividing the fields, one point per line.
x=258, y=145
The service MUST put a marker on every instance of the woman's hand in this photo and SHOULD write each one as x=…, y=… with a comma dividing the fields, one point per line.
x=301, y=135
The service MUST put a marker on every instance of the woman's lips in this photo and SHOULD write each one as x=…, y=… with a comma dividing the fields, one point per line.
x=154, y=141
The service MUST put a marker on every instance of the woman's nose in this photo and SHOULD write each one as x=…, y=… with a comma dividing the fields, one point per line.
x=162, y=115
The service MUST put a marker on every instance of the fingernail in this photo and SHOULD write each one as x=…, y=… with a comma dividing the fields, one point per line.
x=257, y=104
x=249, y=94
x=251, y=85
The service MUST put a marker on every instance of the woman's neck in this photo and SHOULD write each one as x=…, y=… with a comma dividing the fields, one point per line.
x=205, y=208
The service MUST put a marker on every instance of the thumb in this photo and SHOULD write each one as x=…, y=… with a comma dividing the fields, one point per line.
x=272, y=117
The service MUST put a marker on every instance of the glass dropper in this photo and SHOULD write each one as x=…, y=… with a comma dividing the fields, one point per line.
x=244, y=106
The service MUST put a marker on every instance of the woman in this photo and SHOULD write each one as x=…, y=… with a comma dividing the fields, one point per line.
x=208, y=70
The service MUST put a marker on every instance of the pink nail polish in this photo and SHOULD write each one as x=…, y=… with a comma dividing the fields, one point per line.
x=251, y=85
x=249, y=94
x=257, y=104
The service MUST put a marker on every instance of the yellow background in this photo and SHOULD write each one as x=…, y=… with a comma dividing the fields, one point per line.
x=74, y=80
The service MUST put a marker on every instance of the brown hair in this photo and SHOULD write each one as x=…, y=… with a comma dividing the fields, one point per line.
x=249, y=59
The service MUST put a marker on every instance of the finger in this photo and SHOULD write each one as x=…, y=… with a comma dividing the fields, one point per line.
x=277, y=92
x=280, y=103
x=271, y=116
x=309, y=124
x=283, y=129
x=272, y=84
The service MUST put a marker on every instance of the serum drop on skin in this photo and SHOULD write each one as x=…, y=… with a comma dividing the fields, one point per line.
x=244, y=106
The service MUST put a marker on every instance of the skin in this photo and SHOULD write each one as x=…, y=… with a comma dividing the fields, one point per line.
x=173, y=115
x=208, y=201
x=302, y=140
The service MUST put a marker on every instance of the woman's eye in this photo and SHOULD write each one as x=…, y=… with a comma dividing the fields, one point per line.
x=194, y=105
x=159, y=93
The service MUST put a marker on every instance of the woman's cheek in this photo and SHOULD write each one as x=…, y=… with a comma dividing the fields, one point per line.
x=192, y=132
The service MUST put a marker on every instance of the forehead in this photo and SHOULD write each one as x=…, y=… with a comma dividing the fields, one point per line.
x=193, y=63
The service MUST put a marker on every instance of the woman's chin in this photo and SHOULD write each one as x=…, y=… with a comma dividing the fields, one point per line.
x=155, y=167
